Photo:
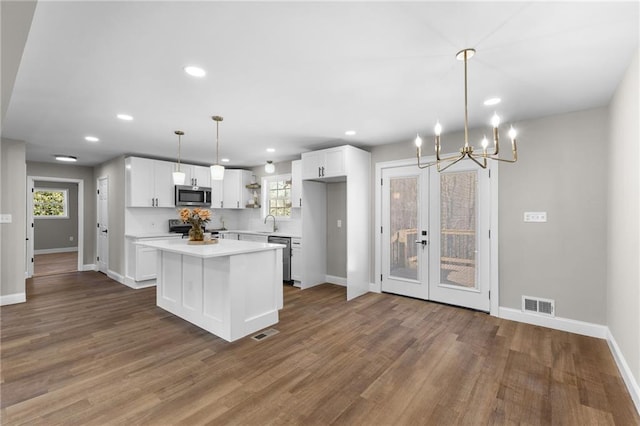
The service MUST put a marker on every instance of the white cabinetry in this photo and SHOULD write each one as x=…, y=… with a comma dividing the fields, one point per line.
x=355, y=166
x=149, y=183
x=217, y=191
x=235, y=194
x=229, y=236
x=296, y=183
x=253, y=237
x=141, y=261
x=324, y=164
x=196, y=175
x=296, y=259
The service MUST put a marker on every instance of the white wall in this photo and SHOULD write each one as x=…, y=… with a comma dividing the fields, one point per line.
x=623, y=245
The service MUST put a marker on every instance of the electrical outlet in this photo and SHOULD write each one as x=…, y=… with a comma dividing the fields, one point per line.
x=71, y=238
x=5, y=218
x=339, y=223
x=535, y=216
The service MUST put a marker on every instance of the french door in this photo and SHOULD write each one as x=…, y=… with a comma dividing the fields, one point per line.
x=435, y=234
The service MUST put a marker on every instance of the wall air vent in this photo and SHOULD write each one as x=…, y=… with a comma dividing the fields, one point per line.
x=536, y=305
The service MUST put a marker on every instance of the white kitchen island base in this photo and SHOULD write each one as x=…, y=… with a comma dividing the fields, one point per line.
x=231, y=289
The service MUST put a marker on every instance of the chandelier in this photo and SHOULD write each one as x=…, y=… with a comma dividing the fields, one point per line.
x=467, y=150
x=217, y=170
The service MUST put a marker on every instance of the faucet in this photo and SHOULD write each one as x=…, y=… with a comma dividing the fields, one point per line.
x=275, y=228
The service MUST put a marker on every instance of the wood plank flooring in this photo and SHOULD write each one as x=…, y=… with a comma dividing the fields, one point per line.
x=89, y=351
x=55, y=263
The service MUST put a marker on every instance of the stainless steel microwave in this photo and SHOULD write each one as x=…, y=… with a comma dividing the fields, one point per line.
x=198, y=196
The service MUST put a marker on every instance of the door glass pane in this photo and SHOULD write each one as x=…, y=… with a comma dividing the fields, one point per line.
x=458, y=223
x=403, y=203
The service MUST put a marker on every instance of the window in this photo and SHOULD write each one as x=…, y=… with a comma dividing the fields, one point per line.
x=277, y=195
x=50, y=203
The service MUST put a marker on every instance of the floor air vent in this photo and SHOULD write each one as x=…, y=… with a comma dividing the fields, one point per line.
x=539, y=306
x=264, y=334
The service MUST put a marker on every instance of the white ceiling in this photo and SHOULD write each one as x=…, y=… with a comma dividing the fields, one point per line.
x=296, y=76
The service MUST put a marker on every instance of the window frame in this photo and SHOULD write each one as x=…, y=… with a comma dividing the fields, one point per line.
x=266, y=180
x=65, y=202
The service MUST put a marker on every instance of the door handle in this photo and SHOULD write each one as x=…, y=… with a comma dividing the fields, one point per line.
x=105, y=231
x=423, y=242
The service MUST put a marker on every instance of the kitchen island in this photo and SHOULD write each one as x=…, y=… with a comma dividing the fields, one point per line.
x=230, y=289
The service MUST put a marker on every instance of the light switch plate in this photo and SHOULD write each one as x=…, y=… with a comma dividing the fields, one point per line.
x=339, y=223
x=5, y=218
x=535, y=216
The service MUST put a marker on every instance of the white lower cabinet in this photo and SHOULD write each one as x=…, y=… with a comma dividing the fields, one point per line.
x=253, y=237
x=229, y=236
x=141, y=261
x=296, y=259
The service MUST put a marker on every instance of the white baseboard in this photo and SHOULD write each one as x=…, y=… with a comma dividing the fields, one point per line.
x=374, y=288
x=336, y=280
x=625, y=371
x=115, y=276
x=557, y=323
x=56, y=250
x=136, y=285
x=89, y=267
x=12, y=299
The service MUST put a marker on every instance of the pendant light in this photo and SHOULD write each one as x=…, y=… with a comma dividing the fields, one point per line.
x=178, y=175
x=217, y=170
x=269, y=167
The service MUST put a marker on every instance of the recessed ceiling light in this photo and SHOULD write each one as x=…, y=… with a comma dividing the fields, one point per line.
x=195, y=71
x=224, y=160
x=91, y=139
x=492, y=101
x=125, y=117
x=271, y=150
x=68, y=158
x=350, y=132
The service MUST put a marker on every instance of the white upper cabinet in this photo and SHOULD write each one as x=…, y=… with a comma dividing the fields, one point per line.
x=296, y=183
x=197, y=175
x=235, y=194
x=217, y=192
x=149, y=183
x=324, y=164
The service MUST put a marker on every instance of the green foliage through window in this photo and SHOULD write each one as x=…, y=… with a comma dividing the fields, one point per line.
x=49, y=202
x=279, y=196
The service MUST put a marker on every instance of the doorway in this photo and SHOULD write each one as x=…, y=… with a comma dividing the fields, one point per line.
x=64, y=257
x=434, y=241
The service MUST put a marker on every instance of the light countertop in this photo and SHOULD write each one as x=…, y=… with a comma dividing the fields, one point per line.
x=222, y=248
x=154, y=235
x=267, y=233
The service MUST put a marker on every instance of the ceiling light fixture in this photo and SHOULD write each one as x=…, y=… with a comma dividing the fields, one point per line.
x=225, y=160
x=91, y=139
x=271, y=150
x=467, y=150
x=195, y=71
x=492, y=101
x=269, y=167
x=178, y=175
x=125, y=117
x=67, y=158
x=350, y=133
x=217, y=171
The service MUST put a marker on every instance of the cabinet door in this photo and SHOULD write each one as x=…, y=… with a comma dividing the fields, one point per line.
x=335, y=162
x=140, y=182
x=312, y=163
x=201, y=176
x=252, y=237
x=146, y=259
x=231, y=189
x=217, y=191
x=163, y=181
x=296, y=183
x=296, y=259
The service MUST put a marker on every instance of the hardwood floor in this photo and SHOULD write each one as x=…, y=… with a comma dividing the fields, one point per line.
x=91, y=351
x=55, y=263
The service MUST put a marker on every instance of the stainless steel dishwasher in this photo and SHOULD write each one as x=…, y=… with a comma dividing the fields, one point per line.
x=286, y=255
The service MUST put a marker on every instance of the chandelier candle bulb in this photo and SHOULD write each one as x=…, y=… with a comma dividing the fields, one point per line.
x=418, y=141
x=495, y=120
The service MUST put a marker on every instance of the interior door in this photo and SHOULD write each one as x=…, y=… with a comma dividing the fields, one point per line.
x=460, y=239
x=405, y=233
x=103, y=225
